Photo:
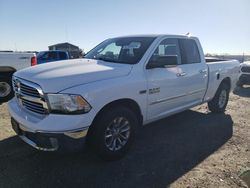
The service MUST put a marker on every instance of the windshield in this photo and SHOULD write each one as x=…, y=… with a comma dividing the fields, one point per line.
x=127, y=50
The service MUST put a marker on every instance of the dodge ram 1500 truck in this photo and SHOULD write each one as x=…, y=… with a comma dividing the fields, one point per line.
x=121, y=84
x=11, y=62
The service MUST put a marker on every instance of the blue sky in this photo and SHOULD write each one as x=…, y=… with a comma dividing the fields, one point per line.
x=223, y=26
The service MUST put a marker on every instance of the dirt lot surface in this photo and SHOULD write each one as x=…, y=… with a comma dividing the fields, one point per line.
x=192, y=149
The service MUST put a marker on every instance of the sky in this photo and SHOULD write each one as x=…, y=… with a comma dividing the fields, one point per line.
x=223, y=26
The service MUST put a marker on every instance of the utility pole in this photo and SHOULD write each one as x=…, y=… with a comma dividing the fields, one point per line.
x=243, y=57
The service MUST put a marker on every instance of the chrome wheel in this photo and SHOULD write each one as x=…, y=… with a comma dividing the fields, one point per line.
x=222, y=98
x=117, y=133
x=5, y=89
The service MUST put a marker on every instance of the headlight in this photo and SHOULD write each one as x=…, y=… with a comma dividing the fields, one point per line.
x=67, y=104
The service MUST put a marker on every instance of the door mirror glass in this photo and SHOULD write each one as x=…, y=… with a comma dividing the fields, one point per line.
x=166, y=61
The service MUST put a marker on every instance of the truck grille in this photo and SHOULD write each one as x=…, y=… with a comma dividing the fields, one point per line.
x=245, y=69
x=30, y=96
x=33, y=106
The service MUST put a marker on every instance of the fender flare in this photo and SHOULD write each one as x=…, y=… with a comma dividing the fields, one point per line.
x=6, y=71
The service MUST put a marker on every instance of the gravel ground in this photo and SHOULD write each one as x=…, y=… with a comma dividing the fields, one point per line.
x=192, y=149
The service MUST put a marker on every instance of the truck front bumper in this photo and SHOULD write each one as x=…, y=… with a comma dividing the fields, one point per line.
x=50, y=141
x=49, y=132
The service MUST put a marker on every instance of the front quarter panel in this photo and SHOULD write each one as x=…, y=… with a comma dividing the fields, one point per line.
x=101, y=93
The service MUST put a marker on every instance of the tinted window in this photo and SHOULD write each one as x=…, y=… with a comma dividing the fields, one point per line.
x=42, y=55
x=52, y=55
x=62, y=55
x=128, y=50
x=168, y=47
x=189, y=51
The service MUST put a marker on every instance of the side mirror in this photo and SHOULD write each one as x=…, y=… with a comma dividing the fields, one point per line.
x=162, y=62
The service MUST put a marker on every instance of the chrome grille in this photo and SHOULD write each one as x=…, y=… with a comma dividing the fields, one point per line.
x=245, y=69
x=30, y=96
x=33, y=106
x=27, y=90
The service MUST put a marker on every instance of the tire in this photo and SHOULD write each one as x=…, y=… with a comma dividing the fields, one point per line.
x=6, y=91
x=105, y=136
x=219, y=103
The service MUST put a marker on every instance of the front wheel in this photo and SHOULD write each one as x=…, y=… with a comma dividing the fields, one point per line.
x=219, y=103
x=113, y=133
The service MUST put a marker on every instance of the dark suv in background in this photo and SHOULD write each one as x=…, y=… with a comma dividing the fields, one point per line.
x=50, y=56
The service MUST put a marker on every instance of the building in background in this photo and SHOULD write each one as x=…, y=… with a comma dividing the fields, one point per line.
x=74, y=51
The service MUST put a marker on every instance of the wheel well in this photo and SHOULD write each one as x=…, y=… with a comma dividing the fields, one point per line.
x=129, y=103
x=227, y=81
x=6, y=71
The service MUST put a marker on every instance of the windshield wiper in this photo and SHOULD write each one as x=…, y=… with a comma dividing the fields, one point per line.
x=107, y=60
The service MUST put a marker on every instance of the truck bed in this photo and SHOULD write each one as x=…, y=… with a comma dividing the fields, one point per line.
x=211, y=59
x=218, y=70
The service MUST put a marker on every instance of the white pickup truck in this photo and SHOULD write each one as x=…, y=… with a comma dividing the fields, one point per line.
x=121, y=84
x=11, y=62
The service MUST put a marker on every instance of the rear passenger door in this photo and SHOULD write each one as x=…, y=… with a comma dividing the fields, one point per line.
x=193, y=72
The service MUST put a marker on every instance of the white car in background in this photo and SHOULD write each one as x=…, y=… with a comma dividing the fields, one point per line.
x=11, y=62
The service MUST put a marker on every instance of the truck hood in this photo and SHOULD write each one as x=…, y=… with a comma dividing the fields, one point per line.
x=56, y=76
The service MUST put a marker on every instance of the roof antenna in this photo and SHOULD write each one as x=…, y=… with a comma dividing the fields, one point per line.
x=188, y=34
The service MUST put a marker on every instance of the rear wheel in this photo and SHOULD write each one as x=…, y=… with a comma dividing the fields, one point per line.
x=113, y=133
x=6, y=92
x=219, y=103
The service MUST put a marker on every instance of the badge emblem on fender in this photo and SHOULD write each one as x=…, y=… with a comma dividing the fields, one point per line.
x=154, y=90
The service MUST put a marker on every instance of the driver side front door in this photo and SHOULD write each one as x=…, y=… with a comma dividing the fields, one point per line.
x=164, y=84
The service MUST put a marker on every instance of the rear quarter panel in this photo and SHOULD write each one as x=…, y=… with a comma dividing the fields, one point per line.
x=225, y=69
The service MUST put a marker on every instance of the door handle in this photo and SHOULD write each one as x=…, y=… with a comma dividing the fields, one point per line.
x=203, y=71
x=180, y=74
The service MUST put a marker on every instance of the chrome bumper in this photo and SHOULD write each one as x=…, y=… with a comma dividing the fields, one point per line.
x=54, y=144
x=48, y=141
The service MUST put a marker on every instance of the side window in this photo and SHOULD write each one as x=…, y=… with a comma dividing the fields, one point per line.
x=189, y=51
x=52, y=55
x=62, y=55
x=45, y=56
x=168, y=47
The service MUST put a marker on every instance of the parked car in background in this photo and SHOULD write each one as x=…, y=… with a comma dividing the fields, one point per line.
x=245, y=74
x=11, y=62
x=121, y=84
x=52, y=55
